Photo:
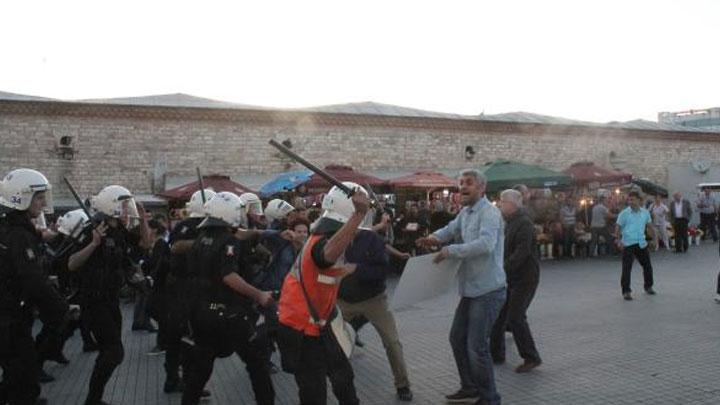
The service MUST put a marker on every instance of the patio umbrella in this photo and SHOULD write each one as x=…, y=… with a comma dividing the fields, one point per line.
x=343, y=173
x=216, y=182
x=587, y=173
x=285, y=182
x=424, y=180
x=503, y=174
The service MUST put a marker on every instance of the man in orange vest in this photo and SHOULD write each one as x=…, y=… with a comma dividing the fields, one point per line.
x=308, y=348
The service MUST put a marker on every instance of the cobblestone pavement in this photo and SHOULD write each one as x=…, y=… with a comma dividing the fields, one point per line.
x=597, y=348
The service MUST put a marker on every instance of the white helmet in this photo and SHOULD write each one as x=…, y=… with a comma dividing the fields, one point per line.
x=278, y=209
x=229, y=208
x=19, y=187
x=252, y=203
x=195, y=205
x=116, y=202
x=72, y=222
x=337, y=205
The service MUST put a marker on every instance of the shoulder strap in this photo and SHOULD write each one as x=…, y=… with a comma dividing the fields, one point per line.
x=311, y=307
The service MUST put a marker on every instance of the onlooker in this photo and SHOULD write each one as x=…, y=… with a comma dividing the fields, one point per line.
x=680, y=213
x=633, y=221
x=568, y=217
x=659, y=212
x=598, y=227
x=708, y=210
x=522, y=270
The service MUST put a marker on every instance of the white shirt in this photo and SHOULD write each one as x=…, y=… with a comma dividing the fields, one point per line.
x=679, y=209
x=658, y=213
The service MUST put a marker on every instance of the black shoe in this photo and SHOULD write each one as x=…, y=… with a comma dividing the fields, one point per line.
x=205, y=394
x=650, y=291
x=45, y=377
x=91, y=347
x=461, y=397
x=173, y=386
x=498, y=360
x=60, y=359
x=627, y=296
x=404, y=394
x=41, y=401
x=358, y=342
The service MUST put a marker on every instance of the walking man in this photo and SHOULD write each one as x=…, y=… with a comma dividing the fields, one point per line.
x=632, y=223
x=522, y=269
x=476, y=238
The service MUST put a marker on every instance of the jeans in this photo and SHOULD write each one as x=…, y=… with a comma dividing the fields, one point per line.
x=629, y=254
x=470, y=341
x=513, y=314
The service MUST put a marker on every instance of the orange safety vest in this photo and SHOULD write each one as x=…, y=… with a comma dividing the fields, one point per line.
x=321, y=286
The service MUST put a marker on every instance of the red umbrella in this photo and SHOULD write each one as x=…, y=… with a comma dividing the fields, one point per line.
x=342, y=173
x=424, y=179
x=585, y=173
x=216, y=182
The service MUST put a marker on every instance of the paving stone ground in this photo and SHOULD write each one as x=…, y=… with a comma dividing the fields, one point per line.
x=597, y=348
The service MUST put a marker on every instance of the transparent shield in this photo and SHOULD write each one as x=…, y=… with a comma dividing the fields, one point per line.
x=129, y=213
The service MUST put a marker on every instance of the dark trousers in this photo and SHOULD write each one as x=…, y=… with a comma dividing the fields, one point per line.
x=594, y=243
x=172, y=326
x=513, y=315
x=315, y=360
x=708, y=224
x=19, y=362
x=141, y=316
x=680, y=225
x=216, y=338
x=630, y=253
x=568, y=240
x=105, y=321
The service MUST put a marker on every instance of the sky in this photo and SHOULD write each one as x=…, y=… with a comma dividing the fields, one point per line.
x=595, y=60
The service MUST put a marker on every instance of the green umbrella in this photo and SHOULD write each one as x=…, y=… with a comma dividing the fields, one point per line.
x=649, y=187
x=503, y=174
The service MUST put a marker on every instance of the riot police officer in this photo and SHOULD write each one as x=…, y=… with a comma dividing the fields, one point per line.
x=222, y=310
x=103, y=262
x=24, y=195
x=174, y=295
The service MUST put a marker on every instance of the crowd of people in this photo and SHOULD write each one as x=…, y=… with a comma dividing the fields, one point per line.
x=237, y=276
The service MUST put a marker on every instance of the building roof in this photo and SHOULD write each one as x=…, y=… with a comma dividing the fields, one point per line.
x=372, y=108
x=180, y=100
x=169, y=100
x=22, y=97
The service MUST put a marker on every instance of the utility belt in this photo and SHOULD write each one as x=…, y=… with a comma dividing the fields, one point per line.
x=224, y=326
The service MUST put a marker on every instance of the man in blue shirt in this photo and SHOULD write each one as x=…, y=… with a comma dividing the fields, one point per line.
x=632, y=223
x=476, y=237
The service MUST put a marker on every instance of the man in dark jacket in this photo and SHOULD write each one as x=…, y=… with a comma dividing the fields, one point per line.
x=522, y=270
x=363, y=294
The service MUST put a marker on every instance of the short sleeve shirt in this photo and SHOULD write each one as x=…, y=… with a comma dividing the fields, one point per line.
x=632, y=225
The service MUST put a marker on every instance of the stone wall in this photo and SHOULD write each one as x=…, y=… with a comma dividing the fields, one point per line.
x=123, y=145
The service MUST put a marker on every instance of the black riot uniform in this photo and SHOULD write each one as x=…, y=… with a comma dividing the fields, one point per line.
x=61, y=247
x=174, y=294
x=23, y=282
x=101, y=277
x=221, y=318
